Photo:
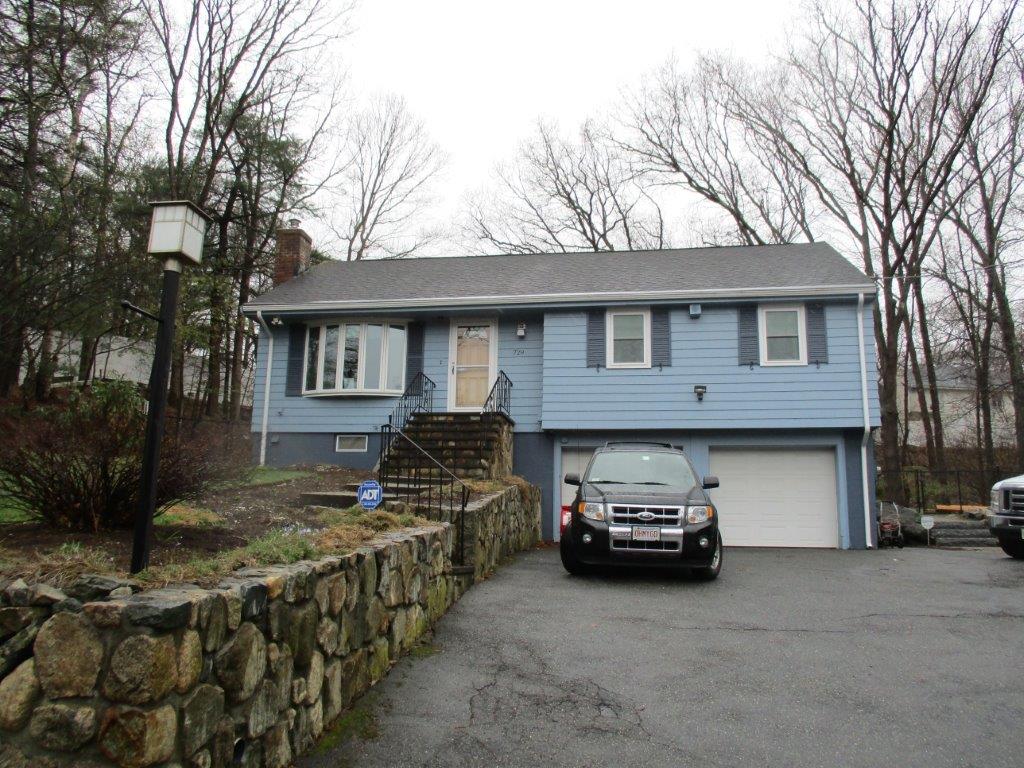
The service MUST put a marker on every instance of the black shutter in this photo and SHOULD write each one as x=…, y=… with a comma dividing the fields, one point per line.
x=296, y=349
x=750, y=352
x=817, y=334
x=596, y=354
x=414, y=352
x=661, y=338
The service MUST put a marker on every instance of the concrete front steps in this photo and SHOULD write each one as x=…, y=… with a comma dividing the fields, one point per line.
x=956, y=531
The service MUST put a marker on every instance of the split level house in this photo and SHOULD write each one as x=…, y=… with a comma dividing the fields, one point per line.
x=757, y=361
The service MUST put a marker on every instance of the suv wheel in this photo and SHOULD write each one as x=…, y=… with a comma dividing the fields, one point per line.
x=710, y=573
x=570, y=560
x=1013, y=547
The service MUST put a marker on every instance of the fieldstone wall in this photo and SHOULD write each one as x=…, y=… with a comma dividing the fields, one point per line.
x=500, y=525
x=246, y=674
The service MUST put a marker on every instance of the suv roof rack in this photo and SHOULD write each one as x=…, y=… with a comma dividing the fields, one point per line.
x=639, y=444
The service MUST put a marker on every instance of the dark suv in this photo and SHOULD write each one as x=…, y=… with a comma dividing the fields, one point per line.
x=641, y=504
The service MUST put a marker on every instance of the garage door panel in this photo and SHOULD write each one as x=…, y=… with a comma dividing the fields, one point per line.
x=776, y=497
x=573, y=460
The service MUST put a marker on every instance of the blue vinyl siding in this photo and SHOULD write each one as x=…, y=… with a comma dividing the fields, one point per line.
x=521, y=359
x=705, y=351
x=553, y=388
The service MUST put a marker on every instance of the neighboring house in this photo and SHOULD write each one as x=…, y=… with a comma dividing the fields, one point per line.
x=118, y=357
x=758, y=361
x=958, y=406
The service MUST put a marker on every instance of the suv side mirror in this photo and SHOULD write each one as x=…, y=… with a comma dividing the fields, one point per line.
x=709, y=481
x=572, y=479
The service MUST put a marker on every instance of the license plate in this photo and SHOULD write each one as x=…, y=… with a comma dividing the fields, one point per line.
x=646, y=534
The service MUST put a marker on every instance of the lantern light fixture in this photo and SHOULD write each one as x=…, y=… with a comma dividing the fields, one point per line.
x=177, y=230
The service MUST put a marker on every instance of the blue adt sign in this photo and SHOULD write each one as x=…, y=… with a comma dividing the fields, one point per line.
x=370, y=494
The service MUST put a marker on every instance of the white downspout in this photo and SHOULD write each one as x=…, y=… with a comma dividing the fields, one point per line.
x=266, y=387
x=868, y=506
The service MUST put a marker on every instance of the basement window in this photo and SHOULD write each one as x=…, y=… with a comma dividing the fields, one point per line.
x=350, y=443
x=355, y=358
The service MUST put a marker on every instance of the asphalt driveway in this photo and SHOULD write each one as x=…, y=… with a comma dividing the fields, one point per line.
x=792, y=658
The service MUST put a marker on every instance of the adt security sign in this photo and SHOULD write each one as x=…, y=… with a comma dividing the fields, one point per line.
x=370, y=494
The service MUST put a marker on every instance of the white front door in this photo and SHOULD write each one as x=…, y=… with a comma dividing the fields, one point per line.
x=776, y=497
x=473, y=354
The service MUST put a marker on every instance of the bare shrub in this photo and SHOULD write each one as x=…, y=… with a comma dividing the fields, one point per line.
x=77, y=466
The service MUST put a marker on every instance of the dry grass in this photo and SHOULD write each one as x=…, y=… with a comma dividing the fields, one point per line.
x=58, y=567
x=343, y=531
x=487, y=487
x=187, y=514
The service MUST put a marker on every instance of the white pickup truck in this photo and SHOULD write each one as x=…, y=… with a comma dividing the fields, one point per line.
x=1006, y=517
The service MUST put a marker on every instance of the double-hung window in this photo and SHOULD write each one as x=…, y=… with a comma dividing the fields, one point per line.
x=628, y=337
x=783, y=335
x=350, y=357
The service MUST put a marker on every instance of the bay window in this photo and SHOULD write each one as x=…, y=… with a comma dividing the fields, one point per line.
x=349, y=357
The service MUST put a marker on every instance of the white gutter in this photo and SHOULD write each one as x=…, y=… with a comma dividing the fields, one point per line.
x=858, y=289
x=868, y=506
x=266, y=387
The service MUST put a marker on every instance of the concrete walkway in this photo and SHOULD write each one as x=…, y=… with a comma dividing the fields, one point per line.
x=792, y=658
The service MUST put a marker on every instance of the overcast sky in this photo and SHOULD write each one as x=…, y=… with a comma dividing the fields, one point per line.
x=480, y=74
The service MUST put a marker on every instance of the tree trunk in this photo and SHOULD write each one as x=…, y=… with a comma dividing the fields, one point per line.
x=1011, y=346
x=87, y=358
x=922, y=400
x=937, y=456
x=43, y=379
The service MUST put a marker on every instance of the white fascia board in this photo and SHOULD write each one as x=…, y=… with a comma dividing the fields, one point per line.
x=857, y=289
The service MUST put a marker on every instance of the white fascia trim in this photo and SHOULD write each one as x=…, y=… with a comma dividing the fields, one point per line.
x=582, y=298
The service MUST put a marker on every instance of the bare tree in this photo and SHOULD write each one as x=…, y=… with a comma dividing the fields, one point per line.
x=686, y=130
x=985, y=203
x=869, y=112
x=223, y=60
x=391, y=163
x=563, y=195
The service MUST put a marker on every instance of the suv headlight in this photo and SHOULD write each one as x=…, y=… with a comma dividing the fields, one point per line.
x=699, y=514
x=997, y=502
x=592, y=510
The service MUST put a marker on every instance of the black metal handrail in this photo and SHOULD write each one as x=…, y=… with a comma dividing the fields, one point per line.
x=421, y=481
x=418, y=396
x=500, y=398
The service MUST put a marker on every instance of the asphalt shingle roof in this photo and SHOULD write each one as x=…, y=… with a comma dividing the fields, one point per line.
x=746, y=270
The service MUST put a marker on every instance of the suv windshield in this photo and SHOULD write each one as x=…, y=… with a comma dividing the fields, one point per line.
x=642, y=468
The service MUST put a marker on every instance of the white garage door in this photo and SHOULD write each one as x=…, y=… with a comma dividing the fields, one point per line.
x=776, y=498
x=573, y=460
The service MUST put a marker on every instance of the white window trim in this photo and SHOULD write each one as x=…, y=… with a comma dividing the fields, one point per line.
x=609, y=337
x=801, y=333
x=364, y=449
x=360, y=390
x=453, y=346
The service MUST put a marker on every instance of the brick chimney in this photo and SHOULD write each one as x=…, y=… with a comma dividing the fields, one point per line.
x=293, y=249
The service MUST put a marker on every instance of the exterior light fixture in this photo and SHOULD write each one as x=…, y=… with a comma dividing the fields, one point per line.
x=176, y=233
x=695, y=311
x=177, y=230
x=521, y=330
x=700, y=390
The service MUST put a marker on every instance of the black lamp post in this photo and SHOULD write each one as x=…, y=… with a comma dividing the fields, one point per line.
x=176, y=235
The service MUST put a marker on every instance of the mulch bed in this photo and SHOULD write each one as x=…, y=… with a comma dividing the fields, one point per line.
x=248, y=512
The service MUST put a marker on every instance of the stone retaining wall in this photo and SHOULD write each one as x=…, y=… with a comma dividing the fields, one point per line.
x=245, y=674
x=501, y=525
